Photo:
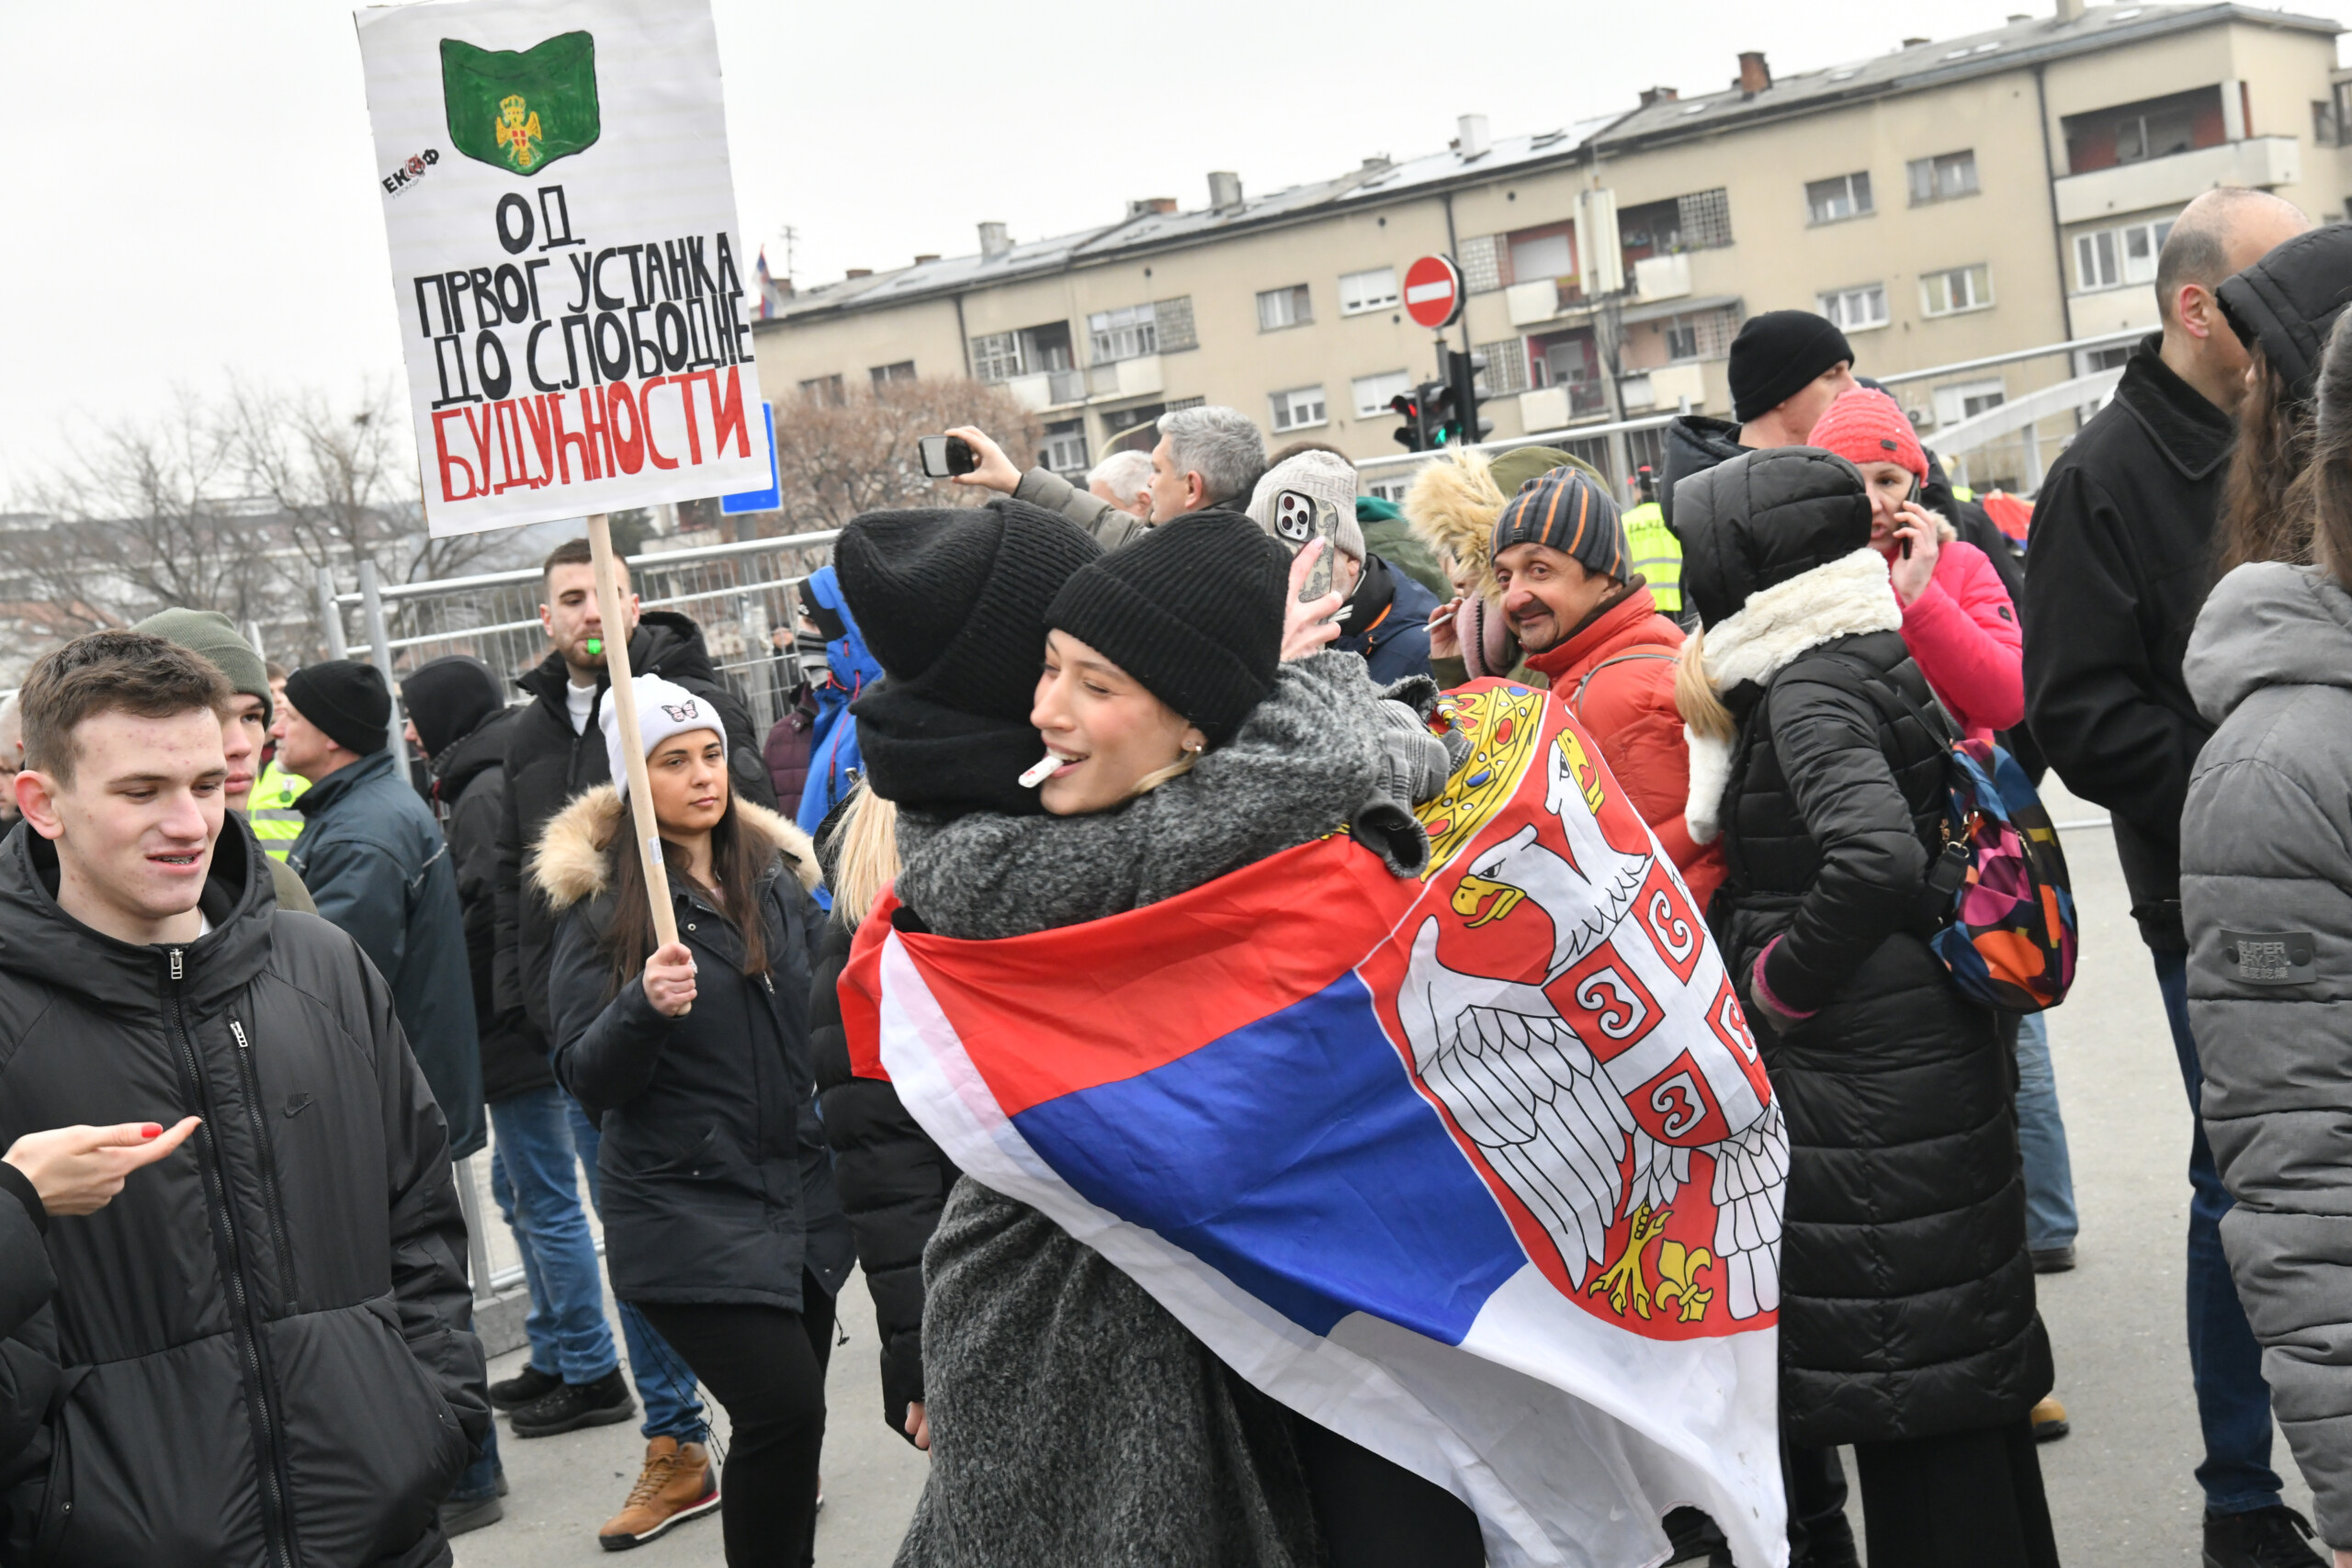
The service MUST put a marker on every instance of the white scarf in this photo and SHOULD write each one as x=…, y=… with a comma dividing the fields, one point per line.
x=1838, y=599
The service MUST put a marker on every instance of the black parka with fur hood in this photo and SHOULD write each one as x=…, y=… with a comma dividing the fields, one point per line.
x=716, y=1187
x=1907, y=1295
x=265, y=1344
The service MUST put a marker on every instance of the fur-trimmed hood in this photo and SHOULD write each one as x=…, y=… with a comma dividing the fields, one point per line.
x=1839, y=598
x=1452, y=507
x=568, y=864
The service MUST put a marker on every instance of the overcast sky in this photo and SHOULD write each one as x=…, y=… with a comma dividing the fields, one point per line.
x=190, y=188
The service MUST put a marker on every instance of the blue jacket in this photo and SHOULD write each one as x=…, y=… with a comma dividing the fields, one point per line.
x=376, y=866
x=833, y=754
x=1397, y=608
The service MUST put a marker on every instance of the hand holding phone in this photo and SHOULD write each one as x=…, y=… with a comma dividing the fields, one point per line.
x=944, y=457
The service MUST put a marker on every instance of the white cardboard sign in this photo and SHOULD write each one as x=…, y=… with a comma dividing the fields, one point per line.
x=571, y=285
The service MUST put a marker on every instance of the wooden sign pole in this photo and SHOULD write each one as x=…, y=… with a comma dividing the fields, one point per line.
x=623, y=697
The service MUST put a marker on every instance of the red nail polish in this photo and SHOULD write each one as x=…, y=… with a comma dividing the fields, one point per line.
x=151, y=1131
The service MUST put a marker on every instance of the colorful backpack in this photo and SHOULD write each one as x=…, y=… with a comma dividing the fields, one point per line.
x=2011, y=942
x=2000, y=891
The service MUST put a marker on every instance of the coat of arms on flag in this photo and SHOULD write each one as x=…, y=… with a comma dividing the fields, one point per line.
x=1480, y=1171
x=521, y=110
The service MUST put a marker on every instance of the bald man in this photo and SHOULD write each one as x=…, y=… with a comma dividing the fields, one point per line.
x=2120, y=560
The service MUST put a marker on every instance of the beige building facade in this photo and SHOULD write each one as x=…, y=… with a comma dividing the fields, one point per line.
x=1945, y=201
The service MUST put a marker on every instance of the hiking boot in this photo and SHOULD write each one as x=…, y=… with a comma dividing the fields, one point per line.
x=525, y=1386
x=576, y=1405
x=2275, y=1537
x=676, y=1484
x=2049, y=1422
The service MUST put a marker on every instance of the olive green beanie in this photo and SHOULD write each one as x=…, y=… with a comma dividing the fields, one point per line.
x=214, y=635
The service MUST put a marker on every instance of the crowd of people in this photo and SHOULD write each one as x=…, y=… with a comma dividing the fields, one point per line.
x=238, y=1325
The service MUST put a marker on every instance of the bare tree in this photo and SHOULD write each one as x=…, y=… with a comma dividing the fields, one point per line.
x=139, y=517
x=835, y=459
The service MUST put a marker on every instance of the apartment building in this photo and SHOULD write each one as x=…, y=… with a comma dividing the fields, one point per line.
x=1946, y=201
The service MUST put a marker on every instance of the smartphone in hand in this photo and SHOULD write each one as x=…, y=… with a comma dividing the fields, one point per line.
x=944, y=457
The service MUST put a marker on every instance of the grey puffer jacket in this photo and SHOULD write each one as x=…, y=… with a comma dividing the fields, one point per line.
x=2265, y=887
x=1073, y=1421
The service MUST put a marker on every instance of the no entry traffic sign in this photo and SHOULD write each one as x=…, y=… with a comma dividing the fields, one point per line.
x=1434, y=291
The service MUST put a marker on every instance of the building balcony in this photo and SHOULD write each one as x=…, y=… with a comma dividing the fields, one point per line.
x=1044, y=389
x=1568, y=403
x=2263, y=163
x=1665, y=387
x=1137, y=377
x=1662, y=278
x=1545, y=299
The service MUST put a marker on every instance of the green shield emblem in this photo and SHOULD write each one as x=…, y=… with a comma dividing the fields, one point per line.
x=521, y=111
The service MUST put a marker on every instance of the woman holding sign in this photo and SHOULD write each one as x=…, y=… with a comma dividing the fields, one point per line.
x=721, y=1222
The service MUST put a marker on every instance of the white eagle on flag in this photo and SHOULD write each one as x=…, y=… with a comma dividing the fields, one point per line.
x=1587, y=1093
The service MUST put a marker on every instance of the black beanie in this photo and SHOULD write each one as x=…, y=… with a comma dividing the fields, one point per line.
x=446, y=698
x=952, y=602
x=346, y=700
x=1194, y=609
x=1776, y=354
x=955, y=596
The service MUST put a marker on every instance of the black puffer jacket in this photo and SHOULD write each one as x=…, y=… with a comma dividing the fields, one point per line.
x=1907, y=1301
x=716, y=1186
x=267, y=1340
x=28, y=1377
x=1693, y=445
x=894, y=1181
x=548, y=766
x=469, y=790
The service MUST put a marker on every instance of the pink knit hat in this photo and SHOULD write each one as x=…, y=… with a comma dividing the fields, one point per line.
x=1865, y=426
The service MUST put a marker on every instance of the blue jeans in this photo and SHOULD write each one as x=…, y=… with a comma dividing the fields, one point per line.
x=664, y=1382
x=479, y=1479
x=530, y=1175
x=2224, y=1363
x=2041, y=1138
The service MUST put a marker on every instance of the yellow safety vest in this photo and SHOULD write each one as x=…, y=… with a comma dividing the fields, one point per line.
x=1657, y=555
x=274, y=821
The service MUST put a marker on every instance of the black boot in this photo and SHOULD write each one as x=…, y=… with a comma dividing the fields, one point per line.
x=525, y=1386
x=574, y=1405
x=2275, y=1537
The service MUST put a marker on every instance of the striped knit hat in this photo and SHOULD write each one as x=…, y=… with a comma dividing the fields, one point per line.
x=1571, y=512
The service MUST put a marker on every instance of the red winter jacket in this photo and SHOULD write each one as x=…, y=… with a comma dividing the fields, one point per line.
x=1963, y=632
x=1629, y=709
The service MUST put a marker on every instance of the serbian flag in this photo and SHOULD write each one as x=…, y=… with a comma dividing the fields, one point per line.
x=1479, y=1169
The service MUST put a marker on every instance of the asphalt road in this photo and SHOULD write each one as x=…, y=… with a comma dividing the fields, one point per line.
x=2121, y=1486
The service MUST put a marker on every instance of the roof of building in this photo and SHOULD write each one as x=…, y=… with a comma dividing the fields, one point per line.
x=1916, y=67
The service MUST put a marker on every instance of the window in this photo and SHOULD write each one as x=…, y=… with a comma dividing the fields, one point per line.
x=1966, y=399
x=2110, y=258
x=1482, y=259
x=1372, y=392
x=996, y=356
x=1541, y=254
x=2111, y=358
x=1129, y=333
x=1942, y=177
x=1065, y=449
x=1299, y=409
x=1834, y=201
x=1173, y=319
x=1372, y=290
x=1506, y=365
x=1856, y=308
x=824, y=389
x=1695, y=222
x=1961, y=288
x=1280, y=308
x=904, y=371
x=1706, y=336
x=2140, y=137
x=2326, y=128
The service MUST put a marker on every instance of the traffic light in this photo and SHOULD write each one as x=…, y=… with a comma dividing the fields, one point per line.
x=1464, y=426
x=1437, y=414
x=1408, y=435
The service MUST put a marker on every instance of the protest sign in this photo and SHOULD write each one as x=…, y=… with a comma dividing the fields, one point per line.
x=570, y=281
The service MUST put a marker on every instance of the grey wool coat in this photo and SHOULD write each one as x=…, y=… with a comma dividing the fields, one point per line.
x=2267, y=896
x=1074, y=1423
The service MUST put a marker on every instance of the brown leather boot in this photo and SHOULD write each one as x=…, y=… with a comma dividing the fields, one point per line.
x=2050, y=1421
x=676, y=1484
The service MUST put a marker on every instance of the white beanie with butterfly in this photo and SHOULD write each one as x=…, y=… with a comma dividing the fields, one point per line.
x=663, y=708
